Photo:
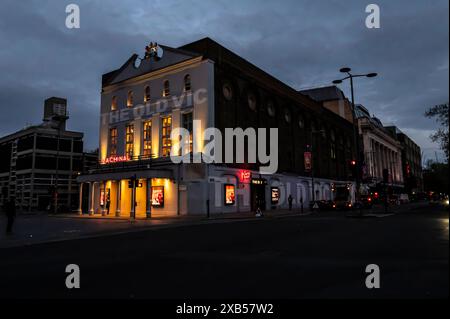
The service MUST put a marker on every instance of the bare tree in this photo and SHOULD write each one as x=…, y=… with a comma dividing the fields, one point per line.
x=440, y=113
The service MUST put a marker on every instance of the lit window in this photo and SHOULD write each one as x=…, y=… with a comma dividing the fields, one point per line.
x=165, y=135
x=114, y=103
x=129, y=141
x=113, y=141
x=187, y=83
x=130, y=99
x=188, y=125
x=166, y=91
x=147, y=94
x=147, y=138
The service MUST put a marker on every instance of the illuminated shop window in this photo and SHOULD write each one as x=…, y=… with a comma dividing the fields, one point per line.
x=166, y=90
x=114, y=103
x=188, y=125
x=129, y=140
x=130, y=99
x=113, y=141
x=165, y=135
x=147, y=134
x=187, y=83
x=147, y=94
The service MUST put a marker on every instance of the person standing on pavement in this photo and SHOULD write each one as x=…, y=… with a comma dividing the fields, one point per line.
x=290, y=201
x=10, y=210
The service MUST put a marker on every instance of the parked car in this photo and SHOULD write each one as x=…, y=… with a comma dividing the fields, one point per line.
x=322, y=204
x=393, y=200
x=404, y=199
x=366, y=201
x=343, y=204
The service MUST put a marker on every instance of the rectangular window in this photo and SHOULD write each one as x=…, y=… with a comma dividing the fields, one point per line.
x=188, y=125
x=129, y=141
x=147, y=133
x=113, y=141
x=165, y=135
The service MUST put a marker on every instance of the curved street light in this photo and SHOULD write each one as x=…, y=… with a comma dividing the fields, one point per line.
x=355, y=123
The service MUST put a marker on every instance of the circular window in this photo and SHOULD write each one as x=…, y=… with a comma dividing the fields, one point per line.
x=251, y=99
x=227, y=91
x=301, y=122
x=271, y=108
x=287, y=116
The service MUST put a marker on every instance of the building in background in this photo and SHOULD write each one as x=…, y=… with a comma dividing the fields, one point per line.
x=411, y=161
x=39, y=159
x=381, y=150
x=145, y=99
x=332, y=98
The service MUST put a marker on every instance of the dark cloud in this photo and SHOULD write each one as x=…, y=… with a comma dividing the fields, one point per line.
x=303, y=43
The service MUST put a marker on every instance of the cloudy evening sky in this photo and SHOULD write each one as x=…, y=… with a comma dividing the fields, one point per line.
x=303, y=43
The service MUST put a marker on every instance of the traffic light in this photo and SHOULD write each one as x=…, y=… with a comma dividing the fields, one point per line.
x=133, y=182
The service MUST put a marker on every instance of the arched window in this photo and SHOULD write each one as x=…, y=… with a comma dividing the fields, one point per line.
x=227, y=91
x=147, y=94
x=251, y=99
x=166, y=90
x=301, y=122
x=333, y=144
x=287, y=115
x=130, y=99
x=271, y=108
x=114, y=103
x=187, y=83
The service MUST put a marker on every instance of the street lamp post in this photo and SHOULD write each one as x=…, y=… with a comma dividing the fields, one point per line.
x=355, y=124
x=312, y=162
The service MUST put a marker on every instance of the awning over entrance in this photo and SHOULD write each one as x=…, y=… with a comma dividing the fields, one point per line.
x=160, y=173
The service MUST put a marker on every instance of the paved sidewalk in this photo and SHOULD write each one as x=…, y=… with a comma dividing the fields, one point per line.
x=41, y=227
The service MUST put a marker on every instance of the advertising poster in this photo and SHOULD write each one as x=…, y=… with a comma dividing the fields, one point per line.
x=229, y=194
x=275, y=195
x=157, y=198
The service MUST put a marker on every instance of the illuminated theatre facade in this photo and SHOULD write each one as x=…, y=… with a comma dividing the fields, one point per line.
x=198, y=86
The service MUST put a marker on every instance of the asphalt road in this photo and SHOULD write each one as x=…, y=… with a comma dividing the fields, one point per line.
x=293, y=257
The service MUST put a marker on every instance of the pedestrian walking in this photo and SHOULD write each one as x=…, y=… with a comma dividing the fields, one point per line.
x=10, y=210
x=290, y=201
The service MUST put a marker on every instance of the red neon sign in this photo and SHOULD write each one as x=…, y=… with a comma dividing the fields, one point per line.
x=245, y=175
x=116, y=159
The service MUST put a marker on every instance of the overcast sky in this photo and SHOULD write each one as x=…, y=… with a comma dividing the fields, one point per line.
x=303, y=43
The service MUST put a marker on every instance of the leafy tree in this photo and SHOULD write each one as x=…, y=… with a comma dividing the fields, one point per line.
x=440, y=113
x=435, y=177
